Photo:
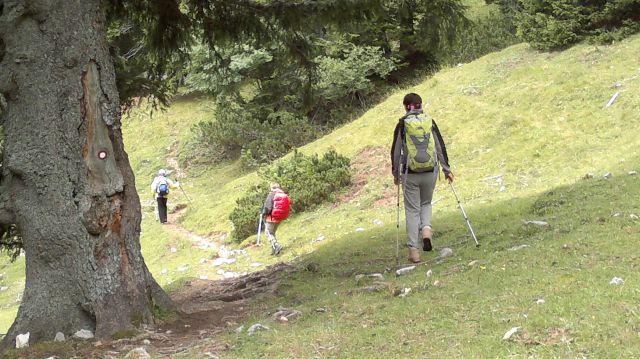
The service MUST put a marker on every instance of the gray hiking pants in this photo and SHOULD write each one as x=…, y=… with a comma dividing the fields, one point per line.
x=418, y=192
x=271, y=228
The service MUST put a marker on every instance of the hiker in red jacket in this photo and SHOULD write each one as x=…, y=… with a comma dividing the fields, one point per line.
x=275, y=210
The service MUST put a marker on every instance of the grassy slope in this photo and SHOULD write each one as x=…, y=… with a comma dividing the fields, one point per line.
x=540, y=121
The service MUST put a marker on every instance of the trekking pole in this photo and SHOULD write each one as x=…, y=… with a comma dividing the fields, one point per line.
x=185, y=194
x=464, y=214
x=398, y=226
x=259, y=229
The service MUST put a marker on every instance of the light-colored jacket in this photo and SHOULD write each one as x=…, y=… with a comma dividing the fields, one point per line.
x=159, y=179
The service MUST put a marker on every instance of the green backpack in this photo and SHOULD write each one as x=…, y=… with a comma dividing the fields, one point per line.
x=417, y=135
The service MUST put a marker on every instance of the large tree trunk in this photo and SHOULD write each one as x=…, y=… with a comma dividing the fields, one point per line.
x=68, y=185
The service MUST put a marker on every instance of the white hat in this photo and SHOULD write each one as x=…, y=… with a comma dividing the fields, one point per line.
x=162, y=172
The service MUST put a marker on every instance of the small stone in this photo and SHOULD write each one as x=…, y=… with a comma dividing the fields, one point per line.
x=436, y=283
x=255, y=264
x=321, y=310
x=405, y=270
x=540, y=301
x=204, y=277
x=616, y=281
x=168, y=332
x=252, y=329
x=405, y=292
x=173, y=250
x=510, y=333
x=429, y=273
x=146, y=342
x=22, y=340
x=59, y=337
x=138, y=353
x=239, y=329
x=517, y=248
x=502, y=188
x=607, y=175
x=320, y=238
x=3, y=288
x=377, y=222
x=634, y=216
x=473, y=263
x=633, y=173
x=97, y=344
x=566, y=246
x=359, y=229
x=164, y=271
x=538, y=223
x=446, y=252
x=617, y=214
x=183, y=268
x=84, y=334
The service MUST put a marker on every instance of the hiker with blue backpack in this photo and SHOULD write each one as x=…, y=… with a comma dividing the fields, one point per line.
x=275, y=210
x=417, y=153
x=160, y=188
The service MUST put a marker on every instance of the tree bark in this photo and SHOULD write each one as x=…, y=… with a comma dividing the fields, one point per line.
x=67, y=181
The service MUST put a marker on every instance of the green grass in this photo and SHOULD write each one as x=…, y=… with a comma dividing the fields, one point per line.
x=539, y=121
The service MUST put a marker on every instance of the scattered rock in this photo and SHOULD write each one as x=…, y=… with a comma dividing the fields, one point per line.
x=22, y=340
x=286, y=314
x=377, y=276
x=633, y=173
x=3, y=288
x=588, y=176
x=566, y=246
x=59, y=337
x=429, y=273
x=255, y=264
x=204, y=277
x=377, y=222
x=634, y=216
x=446, y=252
x=359, y=229
x=138, y=353
x=538, y=223
x=472, y=263
x=173, y=250
x=405, y=292
x=607, y=175
x=510, y=333
x=183, y=268
x=319, y=239
x=221, y=260
x=405, y=270
x=252, y=329
x=616, y=281
x=617, y=214
x=239, y=329
x=517, y=248
x=146, y=342
x=83, y=334
x=540, y=301
x=436, y=283
x=321, y=310
x=502, y=189
x=164, y=271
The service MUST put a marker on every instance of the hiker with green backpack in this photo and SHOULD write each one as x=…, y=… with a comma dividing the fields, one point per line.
x=417, y=153
x=160, y=188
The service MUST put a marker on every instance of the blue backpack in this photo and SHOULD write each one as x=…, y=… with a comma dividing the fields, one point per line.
x=163, y=189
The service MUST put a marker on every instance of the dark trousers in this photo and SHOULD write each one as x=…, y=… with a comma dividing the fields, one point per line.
x=162, y=209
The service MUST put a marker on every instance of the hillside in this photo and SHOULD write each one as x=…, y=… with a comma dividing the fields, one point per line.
x=523, y=130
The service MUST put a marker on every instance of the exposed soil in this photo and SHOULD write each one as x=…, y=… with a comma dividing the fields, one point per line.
x=371, y=162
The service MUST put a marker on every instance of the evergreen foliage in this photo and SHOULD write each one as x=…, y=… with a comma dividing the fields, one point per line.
x=558, y=24
x=309, y=181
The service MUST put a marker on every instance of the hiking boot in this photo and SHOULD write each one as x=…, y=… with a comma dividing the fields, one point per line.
x=276, y=249
x=427, y=234
x=414, y=255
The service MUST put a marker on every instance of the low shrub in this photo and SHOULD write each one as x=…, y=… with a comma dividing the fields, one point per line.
x=309, y=181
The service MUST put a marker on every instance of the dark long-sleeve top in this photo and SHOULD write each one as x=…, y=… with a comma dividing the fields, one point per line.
x=268, y=204
x=399, y=155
